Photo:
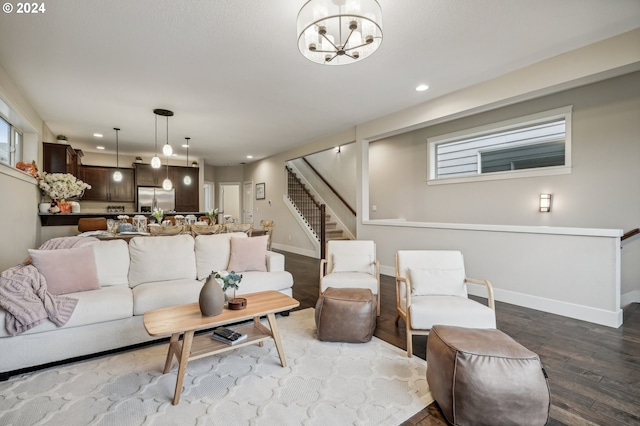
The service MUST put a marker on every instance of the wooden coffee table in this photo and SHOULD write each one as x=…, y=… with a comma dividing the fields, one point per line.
x=186, y=319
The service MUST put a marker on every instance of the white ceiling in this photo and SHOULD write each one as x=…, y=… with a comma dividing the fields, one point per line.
x=231, y=71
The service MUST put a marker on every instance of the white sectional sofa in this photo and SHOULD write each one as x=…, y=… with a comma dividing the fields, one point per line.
x=148, y=273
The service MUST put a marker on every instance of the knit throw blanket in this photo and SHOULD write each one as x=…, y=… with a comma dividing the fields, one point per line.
x=24, y=295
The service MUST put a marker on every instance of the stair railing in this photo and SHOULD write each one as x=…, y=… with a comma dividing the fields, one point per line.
x=331, y=188
x=313, y=213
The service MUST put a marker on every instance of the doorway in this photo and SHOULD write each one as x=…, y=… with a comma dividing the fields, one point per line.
x=230, y=201
x=247, y=202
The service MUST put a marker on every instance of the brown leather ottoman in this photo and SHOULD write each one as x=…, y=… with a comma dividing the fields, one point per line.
x=484, y=377
x=346, y=315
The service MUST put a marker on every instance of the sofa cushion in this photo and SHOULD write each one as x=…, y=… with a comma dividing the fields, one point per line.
x=112, y=262
x=161, y=259
x=427, y=311
x=105, y=304
x=160, y=294
x=213, y=252
x=254, y=281
x=67, y=270
x=248, y=254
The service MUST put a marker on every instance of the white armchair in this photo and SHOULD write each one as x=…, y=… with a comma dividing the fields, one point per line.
x=431, y=288
x=351, y=264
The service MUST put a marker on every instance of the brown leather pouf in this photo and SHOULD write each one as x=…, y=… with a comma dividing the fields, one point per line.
x=346, y=315
x=484, y=377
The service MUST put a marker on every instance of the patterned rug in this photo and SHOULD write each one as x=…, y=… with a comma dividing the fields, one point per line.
x=323, y=384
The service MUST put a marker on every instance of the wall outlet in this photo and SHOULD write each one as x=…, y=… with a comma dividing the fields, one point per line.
x=374, y=208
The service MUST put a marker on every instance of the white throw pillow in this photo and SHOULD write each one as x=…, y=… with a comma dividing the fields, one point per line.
x=437, y=282
x=352, y=263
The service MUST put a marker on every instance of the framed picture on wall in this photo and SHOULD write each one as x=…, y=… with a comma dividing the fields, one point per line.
x=260, y=191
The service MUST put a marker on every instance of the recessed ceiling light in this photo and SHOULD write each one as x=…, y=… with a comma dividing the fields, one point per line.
x=100, y=147
x=422, y=88
x=249, y=156
x=97, y=135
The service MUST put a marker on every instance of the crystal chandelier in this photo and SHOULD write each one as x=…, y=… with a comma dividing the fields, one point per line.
x=338, y=32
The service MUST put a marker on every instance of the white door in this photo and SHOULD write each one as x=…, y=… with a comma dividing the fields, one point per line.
x=247, y=202
x=230, y=202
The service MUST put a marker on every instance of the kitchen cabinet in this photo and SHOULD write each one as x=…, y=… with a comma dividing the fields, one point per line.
x=148, y=176
x=104, y=188
x=59, y=158
x=187, y=196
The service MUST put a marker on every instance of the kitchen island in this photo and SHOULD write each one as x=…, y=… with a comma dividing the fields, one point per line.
x=67, y=219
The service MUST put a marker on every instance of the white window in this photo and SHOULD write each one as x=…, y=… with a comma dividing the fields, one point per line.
x=10, y=143
x=534, y=145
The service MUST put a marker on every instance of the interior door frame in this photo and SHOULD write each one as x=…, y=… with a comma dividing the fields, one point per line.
x=221, y=186
x=247, y=202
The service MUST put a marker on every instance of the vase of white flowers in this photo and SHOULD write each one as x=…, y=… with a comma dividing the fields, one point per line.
x=158, y=214
x=61, y=187
x=213, y=216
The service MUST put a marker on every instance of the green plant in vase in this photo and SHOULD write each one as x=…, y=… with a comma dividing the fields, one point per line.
x=158, y=215
x=212, y=215
x=228, y=280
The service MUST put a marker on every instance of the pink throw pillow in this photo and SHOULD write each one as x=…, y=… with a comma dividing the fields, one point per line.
x=248, y=254
x=67, y=270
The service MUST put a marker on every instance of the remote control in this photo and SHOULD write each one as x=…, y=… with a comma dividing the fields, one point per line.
x=227, y=334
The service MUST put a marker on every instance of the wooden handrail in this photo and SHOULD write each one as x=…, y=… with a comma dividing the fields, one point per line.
x=630, y=234
x=351, y=209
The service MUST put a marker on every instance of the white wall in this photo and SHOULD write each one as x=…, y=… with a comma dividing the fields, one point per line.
x=605, y=156
x=20, y=225
x=596, y=171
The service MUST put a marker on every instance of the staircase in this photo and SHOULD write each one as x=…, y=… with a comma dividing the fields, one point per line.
x=312, y=211
x=332, y=232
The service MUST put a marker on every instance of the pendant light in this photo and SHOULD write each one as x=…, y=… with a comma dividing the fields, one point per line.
x=187, y=178
x=155, y=161
x=117, y=175
x=166, y=184
x=166, y=149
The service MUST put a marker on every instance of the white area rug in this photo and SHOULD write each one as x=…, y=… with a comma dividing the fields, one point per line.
x=323, y=384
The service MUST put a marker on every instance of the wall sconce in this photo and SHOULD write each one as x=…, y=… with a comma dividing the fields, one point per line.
x=545, y=203
x=338, y=149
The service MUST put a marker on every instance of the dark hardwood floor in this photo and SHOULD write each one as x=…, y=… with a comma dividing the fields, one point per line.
x=594, y=371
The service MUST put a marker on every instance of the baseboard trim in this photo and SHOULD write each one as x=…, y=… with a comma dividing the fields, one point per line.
x=580, y=312
x=565, y=309
x=296, y=250
x=629, y=297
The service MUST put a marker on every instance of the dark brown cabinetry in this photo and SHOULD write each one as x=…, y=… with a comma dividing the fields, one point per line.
x=104, y=188
x=148, y=176
x=60, y=158
x=187, y=195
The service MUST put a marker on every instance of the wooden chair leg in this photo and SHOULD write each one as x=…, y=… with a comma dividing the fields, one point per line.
x=409, y=343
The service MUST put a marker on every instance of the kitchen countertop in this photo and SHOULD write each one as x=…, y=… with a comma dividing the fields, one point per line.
x=67, y=219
